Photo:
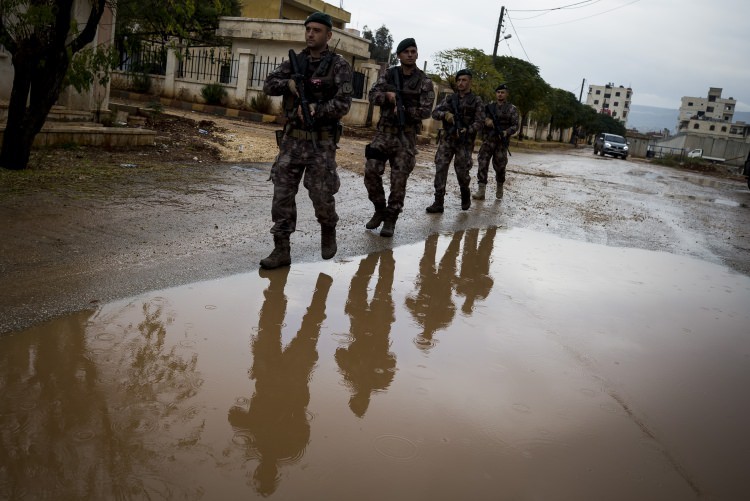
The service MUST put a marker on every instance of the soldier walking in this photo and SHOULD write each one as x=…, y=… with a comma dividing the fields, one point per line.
x=316, y=97
x=500, y=124
x=462, y=114
x=405, y=96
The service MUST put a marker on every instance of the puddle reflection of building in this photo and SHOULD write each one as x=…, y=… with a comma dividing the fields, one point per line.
x=367, y=364
x=474, y=281
x=274, y=423
x=431, y=304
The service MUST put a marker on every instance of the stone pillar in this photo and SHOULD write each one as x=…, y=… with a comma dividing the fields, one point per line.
x=168, y=89
x=243, y=73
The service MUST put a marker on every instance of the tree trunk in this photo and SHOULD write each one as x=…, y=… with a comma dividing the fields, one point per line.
x=40, y=63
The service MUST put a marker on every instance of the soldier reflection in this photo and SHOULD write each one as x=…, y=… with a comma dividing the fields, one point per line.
x=474, y=280
x=275, y=421
x=366, y=364
x=431, y=304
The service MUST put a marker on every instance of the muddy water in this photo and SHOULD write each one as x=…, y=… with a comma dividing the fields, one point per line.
x=485, y=364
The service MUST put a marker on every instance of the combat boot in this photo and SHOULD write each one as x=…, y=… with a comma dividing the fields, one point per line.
x=327, y=241
x=479, y=195
x=499, y=191
x=280, y=256
x=465, y=198
x=376, y=218
x=437, y=205
x=389, y=223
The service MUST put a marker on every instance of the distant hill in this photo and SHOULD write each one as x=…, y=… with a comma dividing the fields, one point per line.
x=651, y=118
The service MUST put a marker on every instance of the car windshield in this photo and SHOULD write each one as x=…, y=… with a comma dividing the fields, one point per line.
x=614, y=138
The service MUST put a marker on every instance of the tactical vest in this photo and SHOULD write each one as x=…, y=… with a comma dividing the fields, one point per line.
x=320, y=85
x=501, y=115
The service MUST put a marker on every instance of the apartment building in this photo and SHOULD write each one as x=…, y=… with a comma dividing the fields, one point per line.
x=712, y=115
x=610, y=99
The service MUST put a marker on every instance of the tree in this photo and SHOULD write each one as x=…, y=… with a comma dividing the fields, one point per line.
x=183, y=19
x=381, y=44
x=42, y=37
x=484, y=75
x=564, y=107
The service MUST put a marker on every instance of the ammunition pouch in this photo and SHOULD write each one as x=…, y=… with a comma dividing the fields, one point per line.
x=375, y=154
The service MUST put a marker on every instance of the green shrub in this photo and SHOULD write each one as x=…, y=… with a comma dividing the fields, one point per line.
x=261, y=103
x=214, y=93
x=140, y=82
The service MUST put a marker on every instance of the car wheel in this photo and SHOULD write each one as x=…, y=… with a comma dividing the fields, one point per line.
x=624, y=157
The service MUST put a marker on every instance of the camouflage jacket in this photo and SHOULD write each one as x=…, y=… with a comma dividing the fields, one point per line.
x=470, y=108
x=418, y=96
x=505, y=117
x=328, y=111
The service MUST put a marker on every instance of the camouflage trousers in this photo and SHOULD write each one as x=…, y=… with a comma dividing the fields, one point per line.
x=492, y=148
x=401, y=158
x=461, y=155
x=296, y=161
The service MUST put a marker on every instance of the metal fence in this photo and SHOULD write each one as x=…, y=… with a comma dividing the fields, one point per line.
x=208, y=64
x=146, y=58
x=213, y=65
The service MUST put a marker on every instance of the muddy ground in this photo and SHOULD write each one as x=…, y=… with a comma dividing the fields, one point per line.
x=85, y=226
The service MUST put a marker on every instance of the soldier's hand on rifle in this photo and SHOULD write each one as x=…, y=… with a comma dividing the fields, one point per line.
x=461, y=132
x=488, y=122
x=390, y=97
x=292, y=87
x=448, y=117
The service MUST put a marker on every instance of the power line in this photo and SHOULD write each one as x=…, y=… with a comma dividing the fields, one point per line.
x=572, y=5
x=517, y=37
x=582, y=18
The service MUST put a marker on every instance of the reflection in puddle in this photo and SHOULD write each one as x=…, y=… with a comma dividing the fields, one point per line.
x=473, y=364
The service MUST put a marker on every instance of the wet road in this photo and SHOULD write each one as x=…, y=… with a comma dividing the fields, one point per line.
x=585, y=339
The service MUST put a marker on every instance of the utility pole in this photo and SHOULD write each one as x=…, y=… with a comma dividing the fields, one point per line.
x=497, y=35
x=580, y=96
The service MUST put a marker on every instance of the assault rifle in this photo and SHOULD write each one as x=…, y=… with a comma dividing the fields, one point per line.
x=498, y=130
x=458, y=124
x=400, y=110
x=298, y=75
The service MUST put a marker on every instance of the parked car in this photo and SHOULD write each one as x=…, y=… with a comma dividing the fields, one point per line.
x=611, y=144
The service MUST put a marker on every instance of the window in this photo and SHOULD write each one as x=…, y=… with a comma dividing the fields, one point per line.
x=617, y=103
x=723, y=128
x=689, y=103
x=624, y=114
x=696, y=126
x=728, y=107
x=627, y=105
x=614, y=114
x=713, y=127
x=598, y=92
x=711, y=99
x=596, y=101
x=710, y=109
x=607, y=96
x=617, y=94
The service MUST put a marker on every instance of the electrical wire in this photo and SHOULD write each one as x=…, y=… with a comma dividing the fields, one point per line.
x=582, y=18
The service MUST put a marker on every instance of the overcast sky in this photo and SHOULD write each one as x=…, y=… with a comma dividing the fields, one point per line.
x=663, y=49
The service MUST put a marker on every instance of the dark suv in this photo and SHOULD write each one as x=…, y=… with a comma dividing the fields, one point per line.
x=611, y=144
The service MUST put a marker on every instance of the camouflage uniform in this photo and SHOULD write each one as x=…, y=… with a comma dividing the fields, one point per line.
x=493, y=147
x=330, y=91
x=471, y=112
x=390, y=143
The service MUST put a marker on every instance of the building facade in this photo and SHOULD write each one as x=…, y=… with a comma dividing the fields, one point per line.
x=611, y=100
x=712, y=115
x=293, y=10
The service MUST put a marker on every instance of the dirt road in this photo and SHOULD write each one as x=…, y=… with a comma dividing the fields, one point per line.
x=95, y=226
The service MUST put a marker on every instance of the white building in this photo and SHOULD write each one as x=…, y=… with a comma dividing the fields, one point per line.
x=611, y=100
x=711, y=116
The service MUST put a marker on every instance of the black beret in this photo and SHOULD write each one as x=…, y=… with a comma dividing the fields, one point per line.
x=502, y=86
x=319, y=17
x=405, y=44
x=464, y=72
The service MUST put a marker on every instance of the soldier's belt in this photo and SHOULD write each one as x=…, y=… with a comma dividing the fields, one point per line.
x=321, y=135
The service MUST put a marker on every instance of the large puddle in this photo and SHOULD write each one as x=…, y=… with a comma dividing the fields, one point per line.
x=485, y=364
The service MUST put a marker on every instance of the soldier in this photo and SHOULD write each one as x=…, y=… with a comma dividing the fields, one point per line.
x=462, y=114
x=405, y=96
x=500, y=124
x=314, y=102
